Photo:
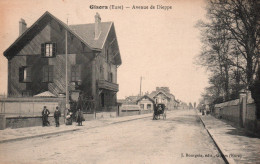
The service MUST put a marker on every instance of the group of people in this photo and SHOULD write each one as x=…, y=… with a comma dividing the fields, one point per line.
x=205, y=110
x=57, y=114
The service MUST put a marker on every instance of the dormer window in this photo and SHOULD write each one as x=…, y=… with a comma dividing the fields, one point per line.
x=48, y=49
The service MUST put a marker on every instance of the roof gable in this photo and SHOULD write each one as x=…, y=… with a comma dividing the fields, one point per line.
x=87, y=33
x=32, y=31
x=145, y=96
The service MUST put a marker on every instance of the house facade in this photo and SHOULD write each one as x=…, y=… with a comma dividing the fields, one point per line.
x=146, y=103
x=163, y=95
x=37, y=60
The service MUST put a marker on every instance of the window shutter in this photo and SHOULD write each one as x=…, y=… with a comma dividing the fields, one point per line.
x=21, y=74
x=73, y=73
x=44, y=73
x=111, y=77
x=79, y=72
x=54, y=49
x=28, y=74
x=51, y=73
x=42, y=49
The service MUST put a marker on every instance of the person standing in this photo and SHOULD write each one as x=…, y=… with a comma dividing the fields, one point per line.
x=69, y=117
x=57, y=115
x=45, y=114
x=79, y=117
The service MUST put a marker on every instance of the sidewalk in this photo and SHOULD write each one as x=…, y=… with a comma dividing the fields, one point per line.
x=237, y=145
x=9, y=135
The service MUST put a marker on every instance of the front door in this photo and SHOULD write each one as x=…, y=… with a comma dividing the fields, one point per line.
x=102, y=99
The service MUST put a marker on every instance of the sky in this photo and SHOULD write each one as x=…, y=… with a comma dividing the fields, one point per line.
x=159, y=45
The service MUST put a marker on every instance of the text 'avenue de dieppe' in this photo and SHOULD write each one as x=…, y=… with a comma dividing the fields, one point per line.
x=133, y=7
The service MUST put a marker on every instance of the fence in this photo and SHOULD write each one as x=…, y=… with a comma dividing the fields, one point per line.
x=26, y=112
x=130, y=110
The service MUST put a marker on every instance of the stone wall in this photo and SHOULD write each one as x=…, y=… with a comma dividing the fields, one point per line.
x=21, y=122
x=30, y=106
x=239, y=114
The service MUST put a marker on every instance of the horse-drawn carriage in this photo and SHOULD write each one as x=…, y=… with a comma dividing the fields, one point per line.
x=159, y=109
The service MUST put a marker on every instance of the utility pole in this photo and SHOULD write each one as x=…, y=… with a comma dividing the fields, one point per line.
x=141, y=86
x=66, y=70
x=66, y=56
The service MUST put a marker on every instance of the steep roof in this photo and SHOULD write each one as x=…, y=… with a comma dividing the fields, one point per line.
x=84, y=32
x=133, y=98
x=87, y=33
x=155, y=93
x=23, y=39
x=145, y=96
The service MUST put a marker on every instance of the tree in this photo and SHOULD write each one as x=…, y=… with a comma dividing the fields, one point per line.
x=231, y=45
x=241, y=19
x=215, y=54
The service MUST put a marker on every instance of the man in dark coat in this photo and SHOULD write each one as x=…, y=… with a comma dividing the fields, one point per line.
x=79, y=117
x=57, y=115
x=45, y=114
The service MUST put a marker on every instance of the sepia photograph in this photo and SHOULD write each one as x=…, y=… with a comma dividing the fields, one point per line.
x=129, y=81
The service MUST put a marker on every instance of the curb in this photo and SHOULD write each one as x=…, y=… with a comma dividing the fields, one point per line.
x=128, y=120
x=35, y=136
x=218, y=145
x=65, y=131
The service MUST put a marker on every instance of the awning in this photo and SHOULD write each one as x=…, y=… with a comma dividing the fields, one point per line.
x=45, y=94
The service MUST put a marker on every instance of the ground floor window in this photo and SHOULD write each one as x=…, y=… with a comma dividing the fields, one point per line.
x=26, y=93
x=149, y=106
x=142, y=106
x=48, y=73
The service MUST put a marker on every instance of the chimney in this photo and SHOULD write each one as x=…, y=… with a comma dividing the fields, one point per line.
x=97, y=26
x=22, y=26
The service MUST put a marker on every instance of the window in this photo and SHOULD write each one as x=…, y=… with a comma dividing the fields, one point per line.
x=107, y=55
x=110, y=77
x=47, y=73
x=75, y=73
x=25, y=74
x=142, y=106
x=48, y=49
x=101, y=72
x=26, y=93
x=149, y=106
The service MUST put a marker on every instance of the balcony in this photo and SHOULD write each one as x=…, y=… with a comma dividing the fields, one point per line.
x=103, y=84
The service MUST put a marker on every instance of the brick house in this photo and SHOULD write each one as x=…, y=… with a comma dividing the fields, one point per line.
x=36, y=60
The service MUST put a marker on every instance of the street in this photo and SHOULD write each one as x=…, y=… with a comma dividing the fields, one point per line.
x=181, y=138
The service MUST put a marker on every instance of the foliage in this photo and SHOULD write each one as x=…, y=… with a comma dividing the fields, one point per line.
x=230, y=50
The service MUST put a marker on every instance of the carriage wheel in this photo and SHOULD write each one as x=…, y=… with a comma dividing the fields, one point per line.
x=155, y=117
x=164, y=116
